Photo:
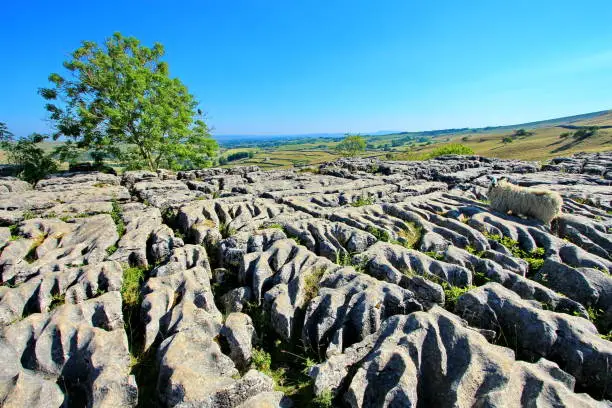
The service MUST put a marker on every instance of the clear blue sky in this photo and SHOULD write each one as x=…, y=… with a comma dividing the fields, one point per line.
x=287, y=67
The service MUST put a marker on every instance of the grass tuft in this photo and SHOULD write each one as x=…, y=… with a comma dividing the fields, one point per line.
x=452, y=294
x=362, y=201
x=116, y=213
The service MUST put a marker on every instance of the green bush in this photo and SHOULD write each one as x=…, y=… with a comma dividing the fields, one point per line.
x=34, y=163
x=453, y=148
x=351, y=145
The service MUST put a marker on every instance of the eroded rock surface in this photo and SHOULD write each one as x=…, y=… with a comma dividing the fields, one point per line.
x=396, y=278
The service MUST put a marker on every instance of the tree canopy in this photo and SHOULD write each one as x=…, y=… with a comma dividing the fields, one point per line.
x=351, y=145
x=120, y=103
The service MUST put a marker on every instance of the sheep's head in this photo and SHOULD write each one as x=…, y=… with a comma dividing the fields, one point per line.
x=493, y=183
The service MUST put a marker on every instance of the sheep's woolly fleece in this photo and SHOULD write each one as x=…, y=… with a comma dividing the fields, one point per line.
x=543, y=205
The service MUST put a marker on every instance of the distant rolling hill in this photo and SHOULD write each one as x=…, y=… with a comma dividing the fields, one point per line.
x=547, y=139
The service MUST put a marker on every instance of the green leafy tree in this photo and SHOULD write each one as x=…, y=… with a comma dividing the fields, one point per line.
x=120, y=103
x=33, y=162
x=351, y=145
x=5, y=134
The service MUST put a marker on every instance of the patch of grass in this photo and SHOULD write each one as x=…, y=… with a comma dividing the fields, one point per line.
x=361, y=201
x=479, y=278
x=57, y=300
x=28, y=215
x=31, y=255
x=111, y=250
x=13, y=230
x=226, y=231
x=452, y=294
x=130, y=288
x=343, y=258
x=116, y=214
x=324, y=400
x=313, y=170
x=435, y=255
x=534, y=258
x=410, y=235
x=596, y=316
x=379, y=234
x=311, y=283
x=261, y=360
x=287, y=364
x=101, y=185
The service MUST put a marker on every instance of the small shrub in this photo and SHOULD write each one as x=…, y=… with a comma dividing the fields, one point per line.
x=324, y=400
x=57, y=300
x=507, y=140
x=343, y=258
x=453, y=148
x=31, y=255
x=13, y=230
x=535, y=258
x=261, y=360
x=33, y=161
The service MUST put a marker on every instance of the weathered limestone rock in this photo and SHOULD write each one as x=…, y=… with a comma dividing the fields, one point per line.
x=51, y=245
x=239, y=333
x=433, y=359
x=84, y=346
x=236, y=299
x=572, y=342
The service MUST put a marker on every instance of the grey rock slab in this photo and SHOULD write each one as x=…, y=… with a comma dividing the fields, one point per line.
x=572, y=342
x=433, y=359
x=52, y=245
x=239, y=334
x=84, y=344
x=236, y=299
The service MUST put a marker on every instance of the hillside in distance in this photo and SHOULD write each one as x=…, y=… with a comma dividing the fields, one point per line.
x=543, y=140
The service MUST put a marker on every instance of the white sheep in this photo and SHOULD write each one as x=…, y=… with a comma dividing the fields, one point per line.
x=545, y=205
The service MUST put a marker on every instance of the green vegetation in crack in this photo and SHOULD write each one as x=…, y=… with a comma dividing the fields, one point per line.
x=143, y=364
x=13, y=229
x=116, y=214
x=452, y=294
x=379, y=234
x=31, y=255
x=286, y=363
x=311, y=283
x=534, y=258
x=410, y=236
x=435, y=255
x=362, y=201
x=225, y=230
